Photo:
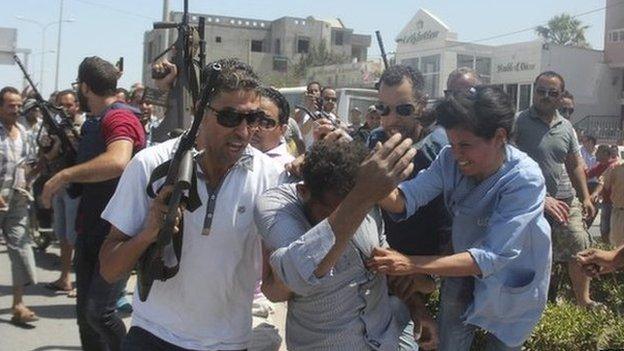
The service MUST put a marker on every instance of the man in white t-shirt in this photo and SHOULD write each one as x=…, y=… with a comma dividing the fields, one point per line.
x=207, y=304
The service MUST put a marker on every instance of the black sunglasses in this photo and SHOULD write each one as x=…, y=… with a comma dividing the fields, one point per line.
x=330, y=99
x=566, y=111
x=230, y=118
x=551, y=93
x=404, y=110
x=267, y=123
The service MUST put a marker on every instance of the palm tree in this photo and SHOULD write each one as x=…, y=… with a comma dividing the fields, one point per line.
x=564, y=30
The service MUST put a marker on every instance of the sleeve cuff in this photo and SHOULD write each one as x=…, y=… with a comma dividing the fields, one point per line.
x=409, y=206
x=483, y=259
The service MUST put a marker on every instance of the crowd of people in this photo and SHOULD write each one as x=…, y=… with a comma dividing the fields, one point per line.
x=352, y=225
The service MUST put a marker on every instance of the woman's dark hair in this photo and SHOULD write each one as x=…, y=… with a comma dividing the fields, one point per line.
x=480, y=110
x=279, y=100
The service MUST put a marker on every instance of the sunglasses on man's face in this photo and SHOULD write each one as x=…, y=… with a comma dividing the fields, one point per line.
x=330, y=99
x=230, y=118
x=566, y=111
x=404, y=110
x=267, y=123
x=547, y=92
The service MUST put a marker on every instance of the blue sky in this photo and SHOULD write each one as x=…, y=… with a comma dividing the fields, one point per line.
x=114, y=28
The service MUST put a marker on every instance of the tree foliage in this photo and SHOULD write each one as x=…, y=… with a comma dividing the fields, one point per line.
x=318, y=56
x=564, y=30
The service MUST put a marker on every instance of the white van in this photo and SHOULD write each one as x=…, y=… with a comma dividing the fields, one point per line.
x=348, y=98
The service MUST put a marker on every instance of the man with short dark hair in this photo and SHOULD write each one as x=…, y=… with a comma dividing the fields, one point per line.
x=402, y=103
x=207, y=304
x=14, y=202
x=462, y=79
x=148, y=119
x=318, y=235
x=111, y=135
x=371, y=122
x=270, y=135
x=550, y=140
x=122, y=95
x=64, y=206
x=567, y=105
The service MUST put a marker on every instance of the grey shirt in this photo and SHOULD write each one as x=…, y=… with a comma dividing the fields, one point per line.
x=347, y=309
x=549, y=146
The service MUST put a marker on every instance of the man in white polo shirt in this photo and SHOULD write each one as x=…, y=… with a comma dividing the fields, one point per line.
x=207, y=304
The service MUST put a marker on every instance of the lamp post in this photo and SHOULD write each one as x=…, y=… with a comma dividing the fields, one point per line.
x=43, y=28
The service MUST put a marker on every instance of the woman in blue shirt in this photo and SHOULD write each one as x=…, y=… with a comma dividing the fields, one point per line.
x=497, y=278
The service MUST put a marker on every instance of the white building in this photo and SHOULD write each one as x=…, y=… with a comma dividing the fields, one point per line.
x=428, y=44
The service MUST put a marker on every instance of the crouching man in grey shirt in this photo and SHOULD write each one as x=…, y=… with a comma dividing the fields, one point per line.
x=317, y=236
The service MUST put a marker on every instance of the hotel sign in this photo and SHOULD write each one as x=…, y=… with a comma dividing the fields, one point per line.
x=515, y=67
x=419, y=36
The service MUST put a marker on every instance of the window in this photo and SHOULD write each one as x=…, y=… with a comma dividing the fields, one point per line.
x=256, y=46
x=217, y=39
x=512, y=91
x=280, y=64
x=465, y=61
x=412, y=62
x=430, y=68
x=338, y=38
x=615, y=36
x=303, y=45
x=483, y=65
x=525, y=96
x=150, y=51
x=278, y=47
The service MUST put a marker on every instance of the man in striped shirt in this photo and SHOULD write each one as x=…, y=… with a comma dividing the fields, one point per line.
x=14, y=201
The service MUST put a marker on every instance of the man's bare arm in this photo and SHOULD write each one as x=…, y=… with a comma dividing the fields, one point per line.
x=108, y=165
x=272, y=286
x=120, y=252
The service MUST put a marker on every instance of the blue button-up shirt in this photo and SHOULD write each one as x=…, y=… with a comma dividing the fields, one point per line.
x=348, y=309
x=500, y=222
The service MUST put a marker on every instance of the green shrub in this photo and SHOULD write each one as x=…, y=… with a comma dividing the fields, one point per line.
x=566, y=326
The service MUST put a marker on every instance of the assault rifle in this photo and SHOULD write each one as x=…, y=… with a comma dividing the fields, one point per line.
x=55, y=121
x=180, y=171
x=181, y=175
x=188, y=55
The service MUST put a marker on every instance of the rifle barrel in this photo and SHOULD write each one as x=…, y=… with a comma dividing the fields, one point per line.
x=382, y=49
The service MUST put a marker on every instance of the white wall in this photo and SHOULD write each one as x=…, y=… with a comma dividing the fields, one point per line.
x=595, y=86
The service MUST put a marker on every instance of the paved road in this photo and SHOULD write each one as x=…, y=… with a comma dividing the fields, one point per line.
x=57, y=329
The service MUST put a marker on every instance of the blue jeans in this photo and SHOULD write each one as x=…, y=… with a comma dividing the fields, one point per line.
x=455, y=335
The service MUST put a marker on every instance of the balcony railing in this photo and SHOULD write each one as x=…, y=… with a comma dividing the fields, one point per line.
x=606, y=129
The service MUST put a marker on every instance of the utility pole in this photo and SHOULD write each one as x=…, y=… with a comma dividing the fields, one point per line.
x=165, y=34
x=58, y=47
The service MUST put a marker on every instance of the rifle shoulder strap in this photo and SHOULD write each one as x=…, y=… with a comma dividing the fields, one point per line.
x=192, y=201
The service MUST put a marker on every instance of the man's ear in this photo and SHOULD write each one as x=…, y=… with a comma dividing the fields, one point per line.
x=283, y=128
x=303, y=191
